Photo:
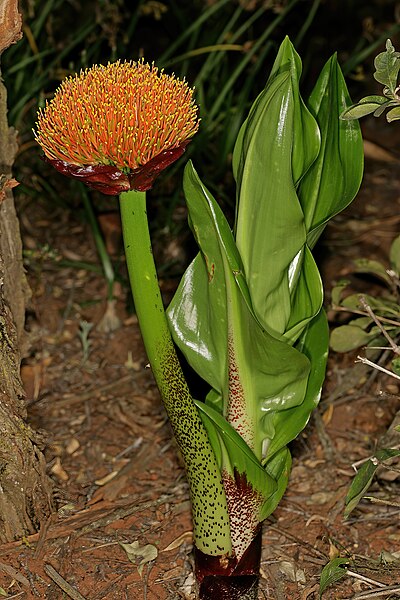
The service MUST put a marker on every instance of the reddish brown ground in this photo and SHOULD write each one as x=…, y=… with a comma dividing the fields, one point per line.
x=117, y=476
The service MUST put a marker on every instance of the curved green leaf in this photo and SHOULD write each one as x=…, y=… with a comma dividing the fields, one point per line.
x=276, y=146
x=232, y=452
x=395, y=254
x=213, y=324
x=374, y=267
x=350, y=337
x=364, y=477
x=393, y=114
x=387, y=65
x=279, y=466
x=380, y=305
x=235, y=457
x=313, y=344
x=198, y=313
x=307, y=297
x=334, y=571
x=362, y=109
x=335, y=177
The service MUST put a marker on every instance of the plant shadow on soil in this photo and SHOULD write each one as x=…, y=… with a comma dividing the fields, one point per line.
x=117, y=475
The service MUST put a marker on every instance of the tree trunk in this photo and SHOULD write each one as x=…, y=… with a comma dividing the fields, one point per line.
x=25, y=492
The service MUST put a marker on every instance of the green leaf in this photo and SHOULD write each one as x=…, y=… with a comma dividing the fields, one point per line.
x=307, y=294
x=350, y=337
x=232, y=452
x=395, y=254
x=364, y=477
x=364, y=108
x=380, y=305
x=335, y=177
x=337, y=291
x=249, y=485
x=363, y=323
x=233, y=455
x=374, y=267
x=334, y=571
x=306, y=138
x=276, y=146
x=288, y=423
x=373, y=100
x=396, y=365
x=387, y=65
x=279, y=467
x=393, y=114
x=213, y=324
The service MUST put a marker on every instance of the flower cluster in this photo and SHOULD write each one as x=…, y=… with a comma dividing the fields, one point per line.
x=117, y=126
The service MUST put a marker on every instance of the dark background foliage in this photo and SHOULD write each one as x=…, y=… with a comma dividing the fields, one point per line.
x=223, y=47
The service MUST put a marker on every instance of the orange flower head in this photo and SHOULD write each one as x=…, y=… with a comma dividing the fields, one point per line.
x=117, y=126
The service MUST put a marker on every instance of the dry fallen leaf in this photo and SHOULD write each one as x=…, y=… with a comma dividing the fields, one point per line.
x=145, y=553
x=72, y=446
x=187, y=536
x=291, y=572
x=188, y=588
x=58, y=470
x=107, y=478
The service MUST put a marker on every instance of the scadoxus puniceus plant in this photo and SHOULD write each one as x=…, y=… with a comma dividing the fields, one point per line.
x=248, y=313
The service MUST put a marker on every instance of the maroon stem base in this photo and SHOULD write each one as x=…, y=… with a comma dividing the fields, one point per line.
x=224, y=578
x=214, y=587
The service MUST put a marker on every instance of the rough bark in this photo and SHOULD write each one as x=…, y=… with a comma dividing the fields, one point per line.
x=25, y=493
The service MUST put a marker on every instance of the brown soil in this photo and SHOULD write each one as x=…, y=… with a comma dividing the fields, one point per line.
x=117, y=475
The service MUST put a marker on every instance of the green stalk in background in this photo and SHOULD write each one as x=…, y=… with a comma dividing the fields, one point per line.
x=248, y=312
x=110, y=321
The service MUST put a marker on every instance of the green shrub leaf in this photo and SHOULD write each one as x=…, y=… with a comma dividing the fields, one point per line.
x=363, y=479
x=350, y=337
x=374, y=267
x=387, y=65
x=334, y=571
x=393, y=114
x=395, y=254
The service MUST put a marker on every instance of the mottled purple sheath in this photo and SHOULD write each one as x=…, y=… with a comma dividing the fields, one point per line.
x=226, y=578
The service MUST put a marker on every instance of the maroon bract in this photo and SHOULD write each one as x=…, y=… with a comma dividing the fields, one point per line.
x=112, y=181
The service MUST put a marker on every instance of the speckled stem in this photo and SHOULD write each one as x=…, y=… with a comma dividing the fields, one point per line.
x=209, y=508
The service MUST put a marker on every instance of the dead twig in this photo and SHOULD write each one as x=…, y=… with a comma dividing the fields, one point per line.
x=95, y=390
x=369, y=363
x=377, y=593
x=375, y=500
x=354, y=311
x=378, y=323
x=62, y=583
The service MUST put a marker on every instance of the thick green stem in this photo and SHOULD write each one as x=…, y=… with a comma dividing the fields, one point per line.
x=210, y=514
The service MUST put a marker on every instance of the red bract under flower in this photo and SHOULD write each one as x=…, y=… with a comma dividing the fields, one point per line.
x=117, y=127
x=112, y=181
